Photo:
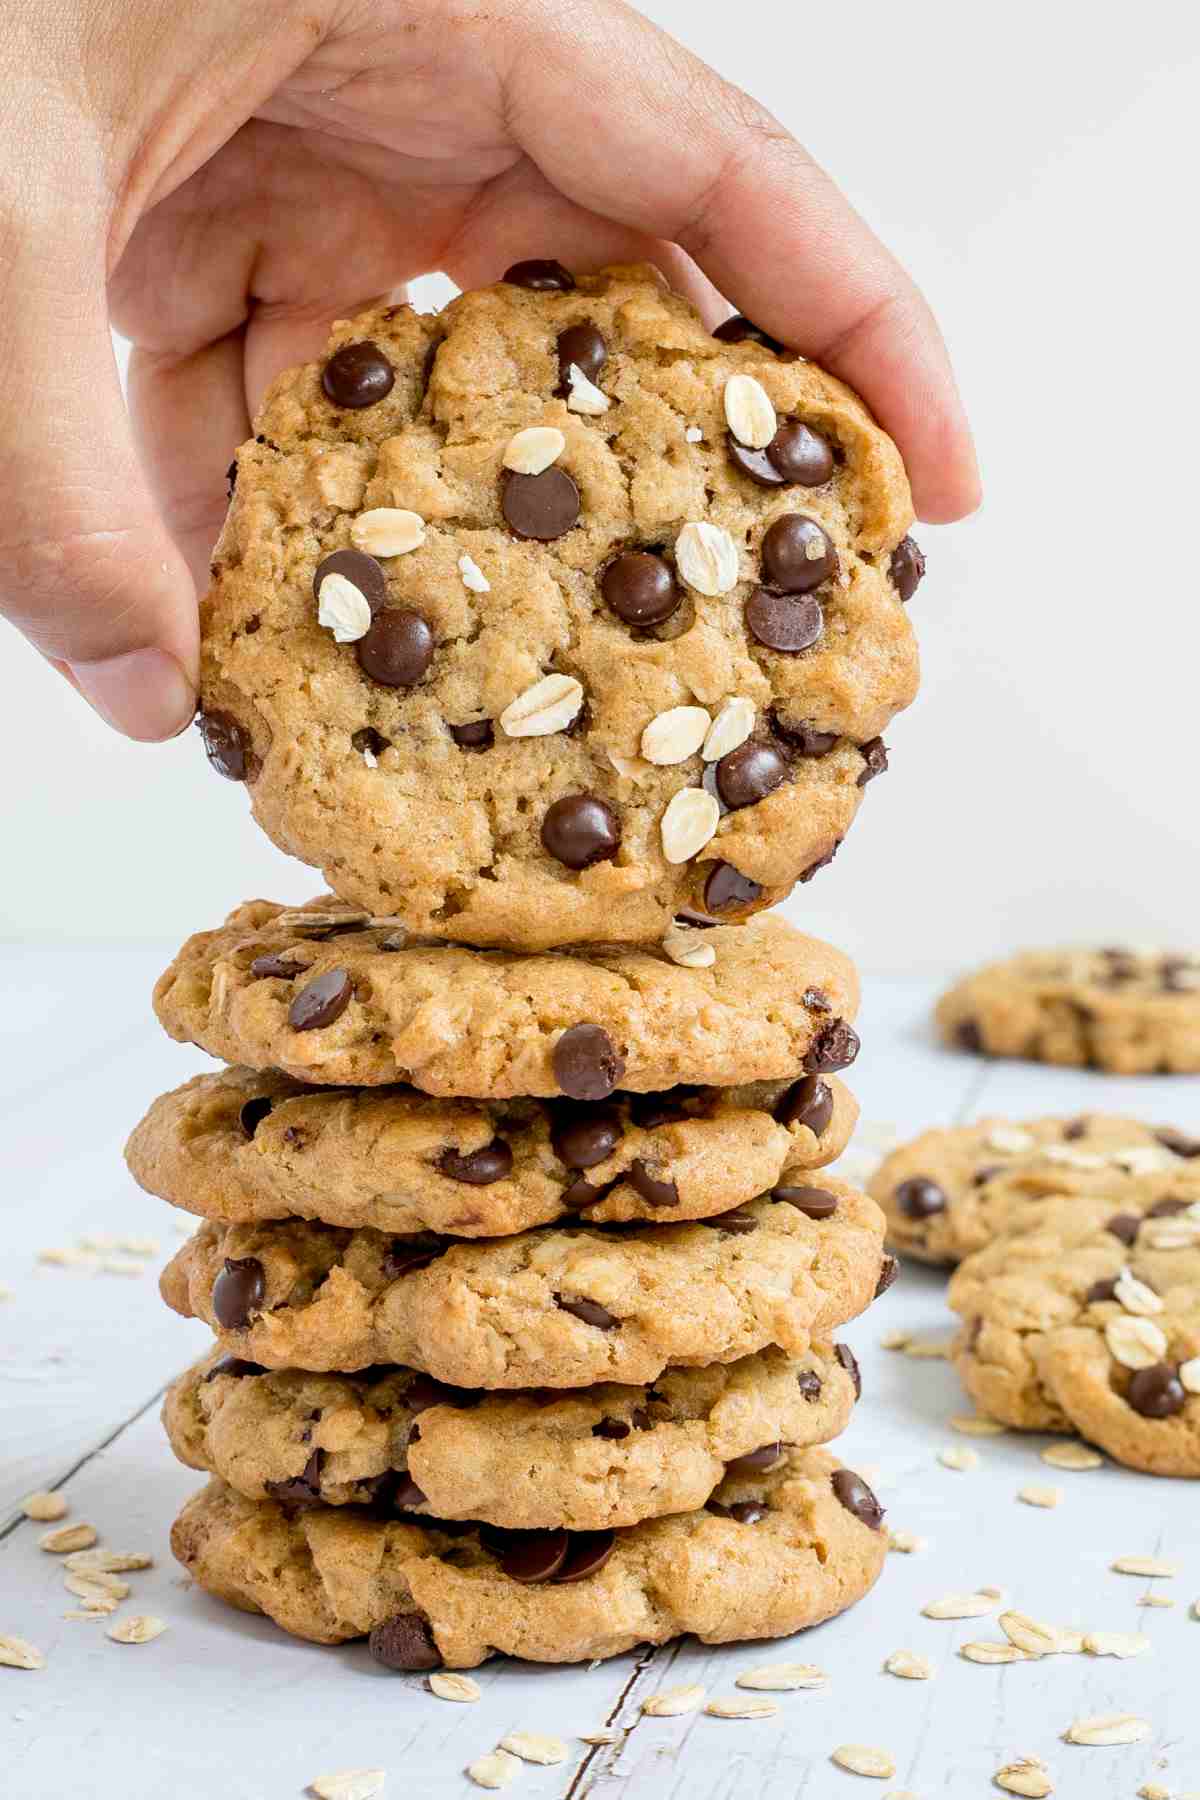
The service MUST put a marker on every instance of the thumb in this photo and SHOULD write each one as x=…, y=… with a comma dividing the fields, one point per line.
x=88, y=571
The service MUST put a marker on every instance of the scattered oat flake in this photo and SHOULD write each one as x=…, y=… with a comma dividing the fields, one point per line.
x=863, y=1759
x=448, y=1686
x=963, y=1606
x=351, y=1784
x=783, y=1678
x=19, y=1653
x=139, y=1246
x=137, y=1628
x=1153, y=1790
x=1150, y=1566
x=728, y=1706
x=956, y=1456
x=473, y=576
x=1160, y=1600
x=1072, y=1455
x=66, y=1258
x=907, y=1542
x=668, y=1703
x=909, y=1665
x=534, y=1747
x=1035, y=1494
x=895, y=1340
x=44, y=1506
x=68, y=1537
x=6, y=1293
x=605, y=1736
x=1028, y=1775
x=1195, y=1609
x=82, y=1612
x=1115, y=1643
x=1108, y=1728
x=107, y=1562
x=931, y=1349
x=495, y=1770
x=977, y=1425
x=984, y=1652
x=1036, y=1636
x=122, y=1265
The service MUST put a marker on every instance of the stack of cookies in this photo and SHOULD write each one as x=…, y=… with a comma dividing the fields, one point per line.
x=524, y=1293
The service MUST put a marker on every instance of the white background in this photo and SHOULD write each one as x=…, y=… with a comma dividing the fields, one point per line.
x=1035, y=166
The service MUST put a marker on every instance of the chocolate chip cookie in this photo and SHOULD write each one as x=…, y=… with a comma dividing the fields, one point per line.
x=1087, y=1319
x=242, y=1146
x=563, y=1306
x=950, y=1192
x=328, y=997
x=1131, y=1012
x=775, y=1551
x=584, y=1459
x=548, y=618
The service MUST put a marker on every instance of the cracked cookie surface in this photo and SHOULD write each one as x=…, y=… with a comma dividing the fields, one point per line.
x=586, y=1459
x=808, y=1544
x=476, y=726
x=361, y=1004
x=559, y=1306
x=1131, y=1012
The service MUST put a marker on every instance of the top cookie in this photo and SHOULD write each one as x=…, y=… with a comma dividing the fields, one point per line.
x=1132, y=1012
x=547, y=618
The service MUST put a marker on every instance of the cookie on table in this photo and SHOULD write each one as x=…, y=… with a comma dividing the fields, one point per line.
x=774, y=1552
x=584, y=1459
x=1087, y=1319
x=950, y=1191
x=241, y=1146
x=331, y=998
x=563, y=1306
x=550, y=617
x=1128, y=1011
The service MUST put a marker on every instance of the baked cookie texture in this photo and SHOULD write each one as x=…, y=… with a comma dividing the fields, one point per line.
x=342, y=1003
x=1087, y=1319
x=241, y=1147
x=476, y=727
x=950, y=1191
x=586, y=1459
x=808, y=1544
x=1131, y=1012
x=560, y=1306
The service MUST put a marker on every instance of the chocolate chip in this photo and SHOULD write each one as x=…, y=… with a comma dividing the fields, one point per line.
x=968, y=1036
x=755, y=1461
x=920, y=1198
x=653, y=1191
x=542, y=274
x=1170, y=1139
x=583, y=345
x=253, y=1112
x=397, y=649
x=907, y=567
x=612, y=1429
x=1074, y=1129
x=1102, y=1290
x=813, y=1202
x=1157, y=1392
x=541, y=507
x=822, y=862
x=303, y=1488
x=406, y=1493
x=809, y=1102
x=406, y=1255
x=875, y=757
x=478, y=1168
x=736, y=1222
x=857, y=1497
x=798, y=554
x=800, y=454
x=358, y=375
x=582, y=1193
x=238, y=1291
x=583, y=1139
x=817, y=1000
x=587, y=1553
x=226, y=745
x=889, y=1268
x=727, y=889
x=533, y=1556
x=236, y=1367
x=640, y=588
x=805, y=740
x=742, y=1512
x=756, y=464
x=590, y=1311
x=810, y=1385
x=1124, y=1226
x=231, y=475
x=849, y=1362
x=666, y=1108
x=581, y=829
x=405, y=1642
x=360, y=570
x=835, y=1047
x=982, y=1176
x=587, y=1064
x=1167, y=1209
x=749, y=773
x=367, y=740
x=784, y=622
x=740, y=330
x=480, y=734
x=322, y=1001
x=423, y=1392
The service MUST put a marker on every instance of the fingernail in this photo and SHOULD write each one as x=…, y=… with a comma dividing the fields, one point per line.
x=142, y=693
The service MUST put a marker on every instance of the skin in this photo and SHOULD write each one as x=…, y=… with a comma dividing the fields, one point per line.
x=219, y=181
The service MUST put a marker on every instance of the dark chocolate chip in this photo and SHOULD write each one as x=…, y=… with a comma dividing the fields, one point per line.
x=1167, y=1209
x=253, y=1112
x=968, y=1036
x=640, y=588
x=849, y=1362
x=835, y=1047
x=1124, y=1226
x=322, y=1001
x=534, y=1556
x=367, y=740
x=889, y=1268
x=480, y=734
x=920, y=1198
x=907, y=567
x=541, y=507
x=1182, y=1145
x=581, y=829
x=738, y=329
x=1157, y=1392
x=406, y=1493
x=822, y=862
x=798, y=554
x=231, y=479
x=742, y=1512
x=736, y=1222
x=652, y=1190
x=875, y=760
x=754, y=463
x=583, y=1139
x=1074, y=1129
x=1102, y=1290
x=583, y=345
x=423, y=1392
x=226, y=745
x=857, y=1497
x=587, y=1553
x=587, y=1064
x=813, y=1202
x=397, y=649
x=809, y=1102
x=358, y=375
x=810, y=1385
x=817, y=1000
x=303, y=1488
x=236, y=1367
x=749, y=773
x=613, y=1429
x=788, y=623
x=801, y=455
x=590, y=1311
x=478, y=1168
x=804, y=739
x=581, y=1193
x=542, y=274
x=238, y=1292
x=727, y=889
x=405, y=1255
x=755, y=1461
x=405, y=1642
x=665, y=1108
x=360, y=570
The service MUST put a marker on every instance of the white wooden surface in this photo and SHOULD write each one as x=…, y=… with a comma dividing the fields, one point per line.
x=225, y=1705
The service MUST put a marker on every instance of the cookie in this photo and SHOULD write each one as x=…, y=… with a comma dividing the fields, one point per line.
x=1088, y=1320
x=531, y=657
x=774, y=1552
x=327, y=998
x=559, y=1307
x=585, y=1459
x=949, y=1192
x=240, y=1147
x=1131, y=1012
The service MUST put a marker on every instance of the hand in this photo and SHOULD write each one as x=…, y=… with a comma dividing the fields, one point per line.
x=223, y=179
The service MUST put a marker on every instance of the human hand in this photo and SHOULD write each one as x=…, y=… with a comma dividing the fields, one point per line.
x=223, y=180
